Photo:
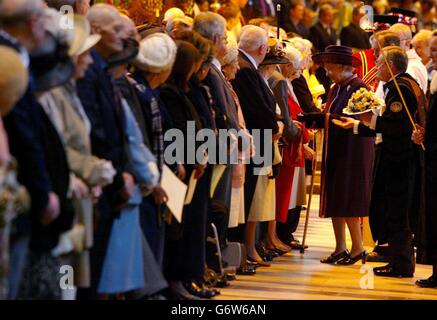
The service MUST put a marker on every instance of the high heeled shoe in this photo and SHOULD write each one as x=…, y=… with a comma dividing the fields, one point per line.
x=334, y=258
x=352, y=260
x=261, y=263
x=280, y=252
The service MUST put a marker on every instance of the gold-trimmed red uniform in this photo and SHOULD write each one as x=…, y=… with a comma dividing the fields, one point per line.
x=367, y=70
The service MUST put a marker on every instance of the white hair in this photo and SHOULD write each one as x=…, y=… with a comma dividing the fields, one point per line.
x=231, y=53
x=170, y=16
x=423, y=36
x=209, y=24
x=173, y=13
x=102, y=13
x=293, y=55
x=10, y=10
x=252, y=37
x=402, y=30
x=303, y=45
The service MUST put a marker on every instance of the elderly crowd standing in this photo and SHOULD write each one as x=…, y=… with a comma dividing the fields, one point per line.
x=85, y=112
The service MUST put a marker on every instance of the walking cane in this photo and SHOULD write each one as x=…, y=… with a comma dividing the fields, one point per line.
x=307, y=216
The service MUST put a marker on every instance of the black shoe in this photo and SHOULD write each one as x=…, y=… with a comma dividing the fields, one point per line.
x=279, y=251
x=389, y=271
x=222, y=282
x=295, y=244
x=252, y=264
x=178, y=292
x=264, y=253
x=246, y=271
x=352, y=260
x=199, y=290
x=431, y=282
x=230, y=276
x=334, y=258
x=377, y=257
x=272, y=253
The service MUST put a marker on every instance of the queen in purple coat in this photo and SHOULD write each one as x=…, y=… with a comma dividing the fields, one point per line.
x=347, y=159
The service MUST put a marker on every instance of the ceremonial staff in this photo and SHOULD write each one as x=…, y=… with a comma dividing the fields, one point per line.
x=278, y=17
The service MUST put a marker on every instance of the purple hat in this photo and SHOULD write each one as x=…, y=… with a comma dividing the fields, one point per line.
x=338, y=55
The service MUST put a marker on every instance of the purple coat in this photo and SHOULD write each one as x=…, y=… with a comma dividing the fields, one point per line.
x=347, y=161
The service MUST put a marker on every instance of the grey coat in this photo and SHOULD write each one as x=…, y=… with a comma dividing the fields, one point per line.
x=278, y=84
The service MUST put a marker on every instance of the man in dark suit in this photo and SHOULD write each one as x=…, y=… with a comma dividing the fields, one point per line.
x=294, y=23
x=352, y=35
x=259, y=109
x=33, y=142
x=101, y=101
x=322, y=34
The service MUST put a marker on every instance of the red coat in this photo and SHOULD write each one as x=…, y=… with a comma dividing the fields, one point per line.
x=292, y=157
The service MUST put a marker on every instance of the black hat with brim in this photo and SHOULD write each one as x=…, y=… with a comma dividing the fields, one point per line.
x=404, y=12
x=130, y=52
x=337, y=55
x=273, y=59
x=51, y=65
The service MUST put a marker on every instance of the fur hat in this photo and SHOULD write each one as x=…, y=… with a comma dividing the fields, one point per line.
x=157, y=53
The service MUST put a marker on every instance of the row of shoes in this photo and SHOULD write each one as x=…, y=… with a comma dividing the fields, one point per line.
x=344, y=258
x=268, y=254
x=193, y=290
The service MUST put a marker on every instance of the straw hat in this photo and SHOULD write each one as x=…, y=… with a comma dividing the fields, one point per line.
x=14, y=79
x=82, y=40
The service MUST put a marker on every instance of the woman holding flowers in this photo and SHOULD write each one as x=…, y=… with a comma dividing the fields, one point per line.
x=347, y=159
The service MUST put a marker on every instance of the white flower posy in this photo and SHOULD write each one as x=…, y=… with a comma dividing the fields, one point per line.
x=362, y=101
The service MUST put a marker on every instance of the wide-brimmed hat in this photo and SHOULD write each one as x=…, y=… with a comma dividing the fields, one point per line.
x=337, y=55
x=14, y=79
x=82, y=39
x=275, y=55
x=51, y=64
x=130, y=52
x=274, y=58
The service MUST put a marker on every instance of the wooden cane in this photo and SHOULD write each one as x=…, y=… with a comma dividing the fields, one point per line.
x=310, y=197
